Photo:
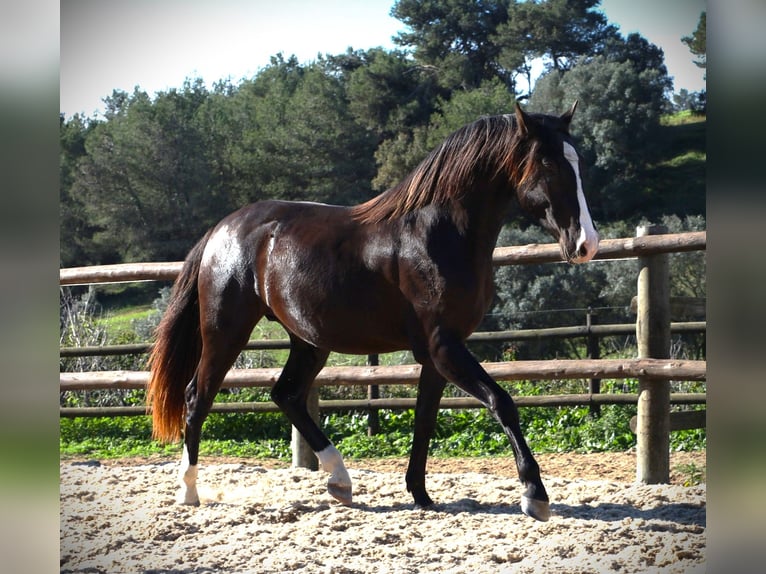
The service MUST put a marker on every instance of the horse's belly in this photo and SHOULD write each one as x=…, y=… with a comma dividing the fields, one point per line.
x=356, y=317
x=348, y=335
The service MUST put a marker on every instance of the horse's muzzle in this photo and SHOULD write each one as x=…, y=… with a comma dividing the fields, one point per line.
x=586, y=246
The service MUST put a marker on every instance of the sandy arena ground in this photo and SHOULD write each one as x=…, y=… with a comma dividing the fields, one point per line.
x=260, y=516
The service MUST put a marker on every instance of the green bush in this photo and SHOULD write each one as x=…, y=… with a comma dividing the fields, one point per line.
x=459, y=432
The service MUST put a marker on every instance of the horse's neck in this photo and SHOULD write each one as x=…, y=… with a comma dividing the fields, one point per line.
x=483, y=220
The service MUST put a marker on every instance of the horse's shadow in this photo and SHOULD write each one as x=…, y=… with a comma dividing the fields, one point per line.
x=680, y=513
x=461, y=506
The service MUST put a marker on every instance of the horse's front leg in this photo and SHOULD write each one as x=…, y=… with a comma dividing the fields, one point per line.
x=430, y=390
x=455, y=362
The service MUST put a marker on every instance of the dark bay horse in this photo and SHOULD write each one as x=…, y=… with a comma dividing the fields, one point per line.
x=408, y=269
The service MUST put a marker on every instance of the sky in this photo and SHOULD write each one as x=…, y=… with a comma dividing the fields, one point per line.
x=155, y=45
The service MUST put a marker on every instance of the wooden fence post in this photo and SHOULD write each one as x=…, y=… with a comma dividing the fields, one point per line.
x=653, y=338
x=594, y=352
x=303, y=456
x=373, y=392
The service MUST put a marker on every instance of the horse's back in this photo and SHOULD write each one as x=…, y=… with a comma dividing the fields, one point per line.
x=323, y=275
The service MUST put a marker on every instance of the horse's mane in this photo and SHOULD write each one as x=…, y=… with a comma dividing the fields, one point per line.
x=484, y=148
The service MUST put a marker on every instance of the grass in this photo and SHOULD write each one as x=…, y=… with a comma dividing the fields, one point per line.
x=693, y=474
x=685, y=159
x=682, y=118
x=459, y=432
x=677, y=181
x=122, y=320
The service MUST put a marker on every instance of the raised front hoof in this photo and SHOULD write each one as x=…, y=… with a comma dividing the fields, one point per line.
x=340, y=492
x=537, y=509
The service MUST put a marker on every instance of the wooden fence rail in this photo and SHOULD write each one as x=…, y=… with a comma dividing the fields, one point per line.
x=400, y=403
x=659, y=369
x=615, y=329
x=514, y=255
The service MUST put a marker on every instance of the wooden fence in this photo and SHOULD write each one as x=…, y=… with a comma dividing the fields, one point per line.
x=653, y=368
x=515, y=255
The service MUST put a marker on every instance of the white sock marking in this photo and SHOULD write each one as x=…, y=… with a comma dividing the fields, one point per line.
x=187, y=478
x=331, y=461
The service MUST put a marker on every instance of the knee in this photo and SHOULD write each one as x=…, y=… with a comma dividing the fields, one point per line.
x=444, y=350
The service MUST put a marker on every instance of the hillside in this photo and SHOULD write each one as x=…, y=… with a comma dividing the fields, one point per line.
x=676, y=183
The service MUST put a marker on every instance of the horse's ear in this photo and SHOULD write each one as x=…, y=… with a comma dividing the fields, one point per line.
x=524, y=123
x=566, y=117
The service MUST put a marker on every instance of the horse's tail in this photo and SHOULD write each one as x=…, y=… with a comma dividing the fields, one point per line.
x=176, y=351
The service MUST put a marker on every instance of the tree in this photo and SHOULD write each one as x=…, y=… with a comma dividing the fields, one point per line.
x=453, y=38
x=556, y=30
x=146, y=171
x=696, y=102
x=467, y=42
x=74, y=226
x=301, y=141
x=642, y=54
x=687, y=270
x=697, y=42
x=399, y=155
x=387, y=92
x=683, y=100
x=537, y=296
x=156, y=173
x=621, y=99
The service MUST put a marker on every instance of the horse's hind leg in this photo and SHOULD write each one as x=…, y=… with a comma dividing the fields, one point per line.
x=225, y=331
x=290, y=393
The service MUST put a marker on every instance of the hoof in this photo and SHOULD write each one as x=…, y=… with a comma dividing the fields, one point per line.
x=188, y=496
x=423, y=502
x=187, y=501
x=341, y=493
x=537, y=509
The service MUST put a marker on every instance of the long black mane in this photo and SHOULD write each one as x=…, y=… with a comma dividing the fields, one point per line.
x=484, y=148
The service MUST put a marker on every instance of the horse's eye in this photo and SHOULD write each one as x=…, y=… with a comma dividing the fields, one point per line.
x=548, y=163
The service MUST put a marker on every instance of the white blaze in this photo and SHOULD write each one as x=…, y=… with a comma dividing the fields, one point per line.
x=588, y=235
